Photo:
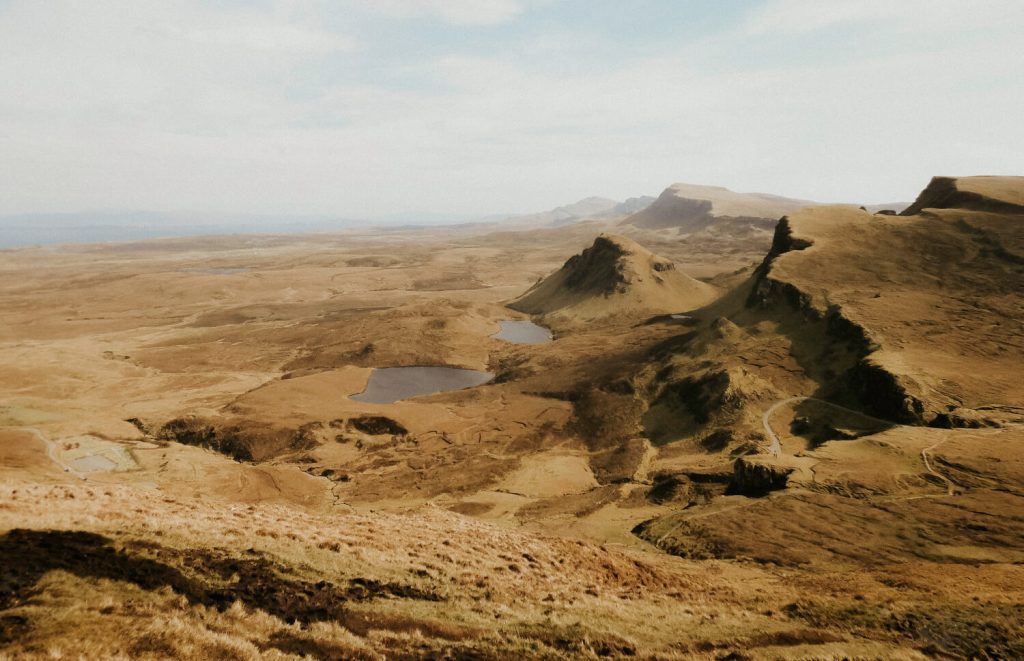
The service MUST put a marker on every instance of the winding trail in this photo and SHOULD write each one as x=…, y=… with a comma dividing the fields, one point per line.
x=776, y=445
x=776, y=450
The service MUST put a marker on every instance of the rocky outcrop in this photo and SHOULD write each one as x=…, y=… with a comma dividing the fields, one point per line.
x=711, y=399
x=614, y=276
x=757, y=476
x=377, y=425
x=877, y=390
x=597, y=270
x=196, y=431
x=872, y=292
x=240, y=441
x=885, y=394
x=766, y=289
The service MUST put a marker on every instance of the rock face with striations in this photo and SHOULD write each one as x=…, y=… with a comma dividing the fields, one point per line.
x=757, y=476
x=615, y=276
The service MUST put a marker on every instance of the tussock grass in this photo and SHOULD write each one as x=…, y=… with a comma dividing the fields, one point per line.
x=119, y=572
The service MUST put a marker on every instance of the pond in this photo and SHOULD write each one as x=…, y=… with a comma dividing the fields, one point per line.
x=392, y=384
x=522, y=332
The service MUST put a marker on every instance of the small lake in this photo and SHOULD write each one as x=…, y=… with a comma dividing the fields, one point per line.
x=392, y=384
x=522, y=332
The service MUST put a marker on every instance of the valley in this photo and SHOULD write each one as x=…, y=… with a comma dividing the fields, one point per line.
x=689, y=430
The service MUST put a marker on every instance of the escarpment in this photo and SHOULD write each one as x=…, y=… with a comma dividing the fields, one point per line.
x=1001, y=195
x=884, y=286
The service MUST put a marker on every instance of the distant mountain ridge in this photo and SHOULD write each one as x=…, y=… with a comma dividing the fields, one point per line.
x=596, y=208
x=691, y=207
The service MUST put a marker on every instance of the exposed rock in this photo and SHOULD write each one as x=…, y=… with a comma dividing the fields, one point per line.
x=615, y=276
x=885, y=394
x=757, y=476
x=378, y=425
x=683, y=405
x=138, y=424
x=198, y=432
x=239, y=440
x=679, y=488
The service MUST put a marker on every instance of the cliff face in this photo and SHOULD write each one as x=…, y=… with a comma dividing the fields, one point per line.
x=598, y=270
x=928, y=302
x=1004, y=195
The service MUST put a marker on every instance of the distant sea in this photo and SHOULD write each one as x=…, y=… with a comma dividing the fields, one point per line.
x=20, y=236
x=26, y=230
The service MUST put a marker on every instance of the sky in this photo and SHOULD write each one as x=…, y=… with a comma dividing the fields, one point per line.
x=368, y=108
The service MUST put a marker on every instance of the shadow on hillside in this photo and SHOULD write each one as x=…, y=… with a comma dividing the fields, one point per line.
x=208, y=577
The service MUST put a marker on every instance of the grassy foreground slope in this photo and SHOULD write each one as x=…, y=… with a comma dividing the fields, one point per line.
x=109, y=571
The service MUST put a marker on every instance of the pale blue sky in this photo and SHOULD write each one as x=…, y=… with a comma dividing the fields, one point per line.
x=372, y=107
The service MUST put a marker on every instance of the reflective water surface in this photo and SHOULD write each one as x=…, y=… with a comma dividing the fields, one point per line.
x=391, y=384
x=522, y=332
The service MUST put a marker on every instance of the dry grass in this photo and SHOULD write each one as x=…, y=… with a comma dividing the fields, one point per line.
x=158, y=577
x=903, y=544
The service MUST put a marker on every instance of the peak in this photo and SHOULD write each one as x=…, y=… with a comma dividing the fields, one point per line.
x=624, y=243
x=615, y=276
x=692, y=207
x=983, y=193
x=625, y=250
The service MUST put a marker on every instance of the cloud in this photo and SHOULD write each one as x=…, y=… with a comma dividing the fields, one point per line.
x=457, y=12
x=176, y=106
x=795, y=16
x=271, y=37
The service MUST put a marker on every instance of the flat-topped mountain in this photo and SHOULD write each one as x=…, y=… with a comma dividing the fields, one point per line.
x=616, y=275
x=690, y=207
x=995, y=194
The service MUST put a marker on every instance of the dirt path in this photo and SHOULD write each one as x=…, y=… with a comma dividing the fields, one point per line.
x=776, y=445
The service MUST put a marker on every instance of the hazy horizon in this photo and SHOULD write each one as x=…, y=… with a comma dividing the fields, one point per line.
x=460, y=110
